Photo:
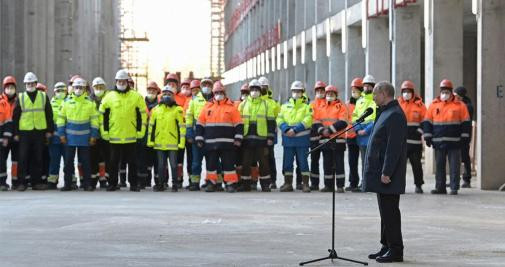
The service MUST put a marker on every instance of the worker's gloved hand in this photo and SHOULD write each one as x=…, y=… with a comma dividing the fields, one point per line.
x=63, y=139
x=16, y=138
x=237, y=143
x=270, y=142
x=5, y=142
x=428, y=142
x=48, y=135
x=290, y=132
x=190, y=140
x=199, y=144
x=92, y=141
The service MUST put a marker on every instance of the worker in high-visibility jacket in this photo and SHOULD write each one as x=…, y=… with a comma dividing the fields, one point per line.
x=220, y=130
x=56, y=148
x=267, y=94
x=295, y=122
x=33, y=126
x=244, y=94
x=364, y=129
x=331, y=119
x=315, y=137
x=352, y=144
x=78, y=130
x=99, y=153
x=123, y=122
x=415, y=110
x=166, y=136
x=446, y=126
x=259, y=130
x=196, y=104
x=7, y=102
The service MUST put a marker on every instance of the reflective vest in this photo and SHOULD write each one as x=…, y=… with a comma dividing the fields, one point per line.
x=414, y=110
x=316, y=108
x=166, y=128
x=296, y=115
x=123, y=117
x=330, y=115
x=32, y=113
x=256, y=113
x=363, y=103
x=78, y=120
x=193, y=112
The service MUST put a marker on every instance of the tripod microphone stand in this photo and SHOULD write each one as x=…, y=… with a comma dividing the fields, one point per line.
x=333, y=253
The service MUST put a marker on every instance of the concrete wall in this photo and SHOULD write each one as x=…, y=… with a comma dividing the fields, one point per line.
x=59, y=38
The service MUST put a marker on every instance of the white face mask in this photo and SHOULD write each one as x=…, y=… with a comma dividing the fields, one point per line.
x=99, y=93
x=219, y=97
x=320, y=95
x=445, y=96
x=60, y=95
x=151, y=96
x=296, y=95
x=330, y=98
x=30, y=89
x=10, y=90
x=206, y=90
x=120, y=87
x=407, y=96
x=243, y=96
x=356, y=95
x=255, y=94
x=78, y=92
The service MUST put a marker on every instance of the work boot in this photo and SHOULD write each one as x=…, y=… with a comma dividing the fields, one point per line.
x=194, y=186
x=51, y=186
x=288, y=184
x=381, y=252
x=419, y=189
x=103, y=184
x=122, y=184
x=326, y=189
x=40, y=187
x=4, y=187
x=219, y=187
x=466, y=184
x=245, y=186
x=265, y=185
x=357, y=189
x=174, y=187
x=350, y=188
x=305, y=185
x=21, y=188
x=299, y=186
x=89, y=188
x=340, y=190
x=273, y=185
x=231, y=188
x=66, y=188
x=314, y=184
x=134, y=189
x=157, y=188
x=74, y=186
x=453, y=192
x=112, y=188
x=439, y=191
x=210, y=187
x=81, y=183
x=254, y=185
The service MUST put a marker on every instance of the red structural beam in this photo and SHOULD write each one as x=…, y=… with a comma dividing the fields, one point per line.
x=238, y=14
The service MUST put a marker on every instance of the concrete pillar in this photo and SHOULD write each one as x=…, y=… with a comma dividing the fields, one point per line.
x=491, y=94
x=377, y=52
x=443, y=52
x=336, y=64
x=406, y=54
x=310, y=69
x=322, y=62
x=356, y=58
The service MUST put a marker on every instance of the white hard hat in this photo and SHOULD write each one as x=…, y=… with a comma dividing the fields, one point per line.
x=122, y=75
x=60, y=85
x=254, y=83
x=264, y=81
x=297, y=85
x=207, y=79
x=168, y=88
x=79, y=82
x=30, y=77
x=369, y=79
x=98, y=81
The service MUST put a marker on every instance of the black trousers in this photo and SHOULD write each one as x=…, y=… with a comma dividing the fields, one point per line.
x=465, y=158
x=333, y=165
x=162, y=157
x=189, y=159
x=123, y=154
x=251, y=156
x=391, y=222
x=12, y=148
x=314, y=165
x=272, y=164
x=31, y=151
x=414, y=155
x=83, y=155
x=99, y=159
x=353, y=148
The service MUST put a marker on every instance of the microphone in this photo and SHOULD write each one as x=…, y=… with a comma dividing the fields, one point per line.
x=365, y=114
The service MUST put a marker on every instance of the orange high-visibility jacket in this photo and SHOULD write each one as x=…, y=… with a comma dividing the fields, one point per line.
x=351, y=134
x=316, y=106
x=333, y=116
x=414, y=110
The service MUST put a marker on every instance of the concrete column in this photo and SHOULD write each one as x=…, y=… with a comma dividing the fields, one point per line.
x=356, y=58
x=336, y=64
x=443, y=52
x=310, y=69
x=322, y=62
x=406, y=54
x=491, y=94
x=377, y=52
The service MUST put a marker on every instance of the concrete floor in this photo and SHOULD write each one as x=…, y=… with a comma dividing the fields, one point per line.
x=244, y=229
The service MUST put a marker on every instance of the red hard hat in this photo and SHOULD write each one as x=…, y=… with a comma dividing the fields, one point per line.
x=357, y=82
x=446, y=84
x=331, y=88
x=194, y=84
x=218, y=87
x=245, y=87
x=9, y=80
x=41, y=87
x=73, y=78
x=172, y=77
x=408, y=85
x=319, y=84
x=153, y=85
x=186, y=82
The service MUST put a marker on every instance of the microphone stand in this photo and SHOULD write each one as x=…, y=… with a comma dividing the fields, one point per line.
x=333, y=253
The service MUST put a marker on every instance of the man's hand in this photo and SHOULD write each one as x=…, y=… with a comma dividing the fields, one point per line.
x=63, y=140
x=190, y=140
x=48, y=135
x=290, y=133
x=385, y=179
x=326, y=132
x=270, y=142
x=92, y=141
x=236, y=143
x=16, y=138
x=361, y=132
x=5, y=142
x=199, y=144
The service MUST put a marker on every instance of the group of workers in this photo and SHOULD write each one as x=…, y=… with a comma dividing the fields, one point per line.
x=118, y=134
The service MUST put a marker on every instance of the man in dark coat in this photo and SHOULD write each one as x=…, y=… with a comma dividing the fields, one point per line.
x=460, y=94
x=385, y=170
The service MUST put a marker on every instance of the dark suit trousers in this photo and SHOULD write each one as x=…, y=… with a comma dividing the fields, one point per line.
x=391, y=225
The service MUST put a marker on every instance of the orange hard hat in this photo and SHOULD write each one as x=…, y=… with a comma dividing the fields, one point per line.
x=245, y=87
x=194, y=84
x=445, y=83
x=408, y=85
x=153, y=85
x=331, y=88
x=172, y=77
x=357, y=82
x=9, y=80
x=186, y=82
x=319, y=84
x=218, y=87
x=41, y=87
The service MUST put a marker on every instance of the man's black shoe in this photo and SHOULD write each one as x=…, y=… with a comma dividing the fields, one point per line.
x=389, y=257
x=439, y=192
x=378, y=254
x=112, y=188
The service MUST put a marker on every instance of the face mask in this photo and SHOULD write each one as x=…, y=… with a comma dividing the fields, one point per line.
x=78, y=92
x=206, y=90
x=61, y=95
x=356, y=95
x=186, y=92
x=296, y=95
x=30, y=89
x=120, y=87
x=219, y=97
x=255, y=94
x=243, y=96
x=10, y=91
x=320, y=95
x=407, y=96
x=99, y=93
x=445, y=96
x=331, y=98
x=151, y=97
